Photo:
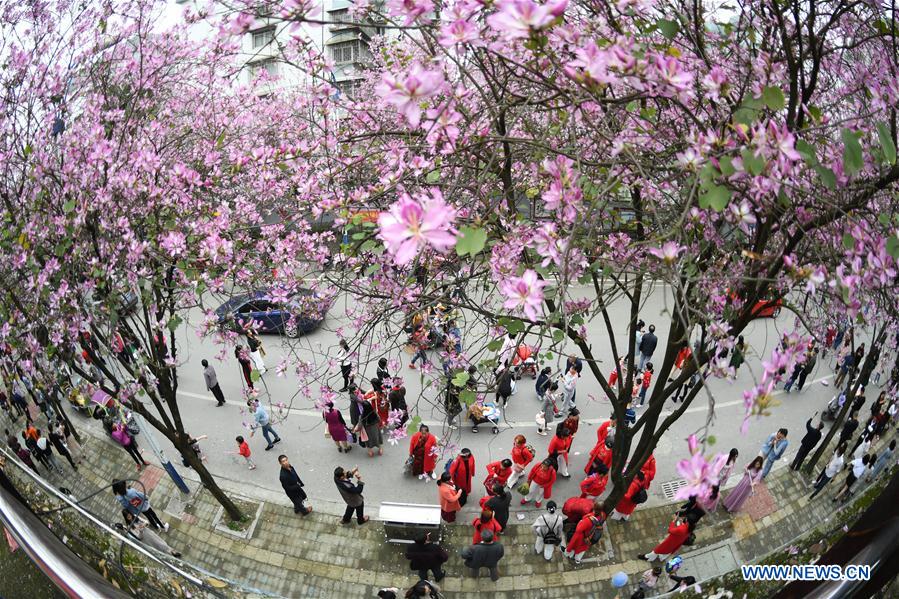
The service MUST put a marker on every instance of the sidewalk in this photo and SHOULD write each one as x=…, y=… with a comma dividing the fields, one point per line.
x=294, y=556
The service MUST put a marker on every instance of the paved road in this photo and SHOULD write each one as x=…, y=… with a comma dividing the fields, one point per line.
x=315, y=456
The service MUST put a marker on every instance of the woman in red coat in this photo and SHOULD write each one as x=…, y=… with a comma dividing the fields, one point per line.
x=521, y=457
x=424, y=459
x=558, y=449
x=594, y=485
x=678, y=532
x=498, y=472
x=541, y=479
x=461, y=471
x=601, y=452
x=649, y=469
x=485, y=521
x=603, y=431
x=626, y=506
x=580, y=540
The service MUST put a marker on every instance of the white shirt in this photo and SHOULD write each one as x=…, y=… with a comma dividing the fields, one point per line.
x=862, y=449
x=858, y=468
x=835, y=465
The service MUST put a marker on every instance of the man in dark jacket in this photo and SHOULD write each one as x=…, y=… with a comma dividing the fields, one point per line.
x=811, y=438
x=485, y=554
x=351, y=493
x=504, y=384
x=848, y=428
x=293, y=486
x=648, y=346
x=423, y=555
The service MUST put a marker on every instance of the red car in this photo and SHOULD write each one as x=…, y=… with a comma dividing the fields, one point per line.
x=767, y=308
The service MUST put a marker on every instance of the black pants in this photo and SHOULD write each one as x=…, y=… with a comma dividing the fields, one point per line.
x=348, y=514
x=345, y=370
x=217, y=393
x=297, y=499
x=800, y=457
x=135, y=454
x=801, y=383
x=823, y=479
x=153, y=519
x=65, y=453
x=463, y=499
x=438, y=574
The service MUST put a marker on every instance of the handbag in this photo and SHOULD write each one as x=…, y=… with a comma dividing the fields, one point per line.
x=524, y=488
x=407, y=465
x=690, y=539
x=489, y=482
x=640, y=497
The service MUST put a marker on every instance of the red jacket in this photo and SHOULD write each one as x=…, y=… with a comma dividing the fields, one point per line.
x=461, y=474
x=676, y=537
x=647, y=378
x=560, y=446
x=649, y=469
x=430, y=459
x=594, y=485
x=580, y=541
x=603, y=431
x=626, y=506
x=576, y=508
x=497, y=470
x=521, y=455
x=603, y=453
x=682, y=356
x=572, y=423
x=479, y=527
x=545, y=477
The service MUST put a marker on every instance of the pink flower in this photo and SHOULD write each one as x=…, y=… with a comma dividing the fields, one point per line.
x=406, y=91
x=516, y=19
x=411, y=224
x=743, y=215
x=174, y=243
x=668, y=253
x=411, y=9
x=524, y=293
x=240, y=24
x=460, y=31
x=665, y=74
x=700, y=474
x=715, y=82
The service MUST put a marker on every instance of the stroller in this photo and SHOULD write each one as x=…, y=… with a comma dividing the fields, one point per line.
x=833, y=407
x=524, y=361
x=482, y=414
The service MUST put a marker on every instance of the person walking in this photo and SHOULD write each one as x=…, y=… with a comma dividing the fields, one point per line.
x=548, y=529
x=558, y=450
x=848, y=428
x=59, y=444
x=738, y=355
x=635, y=495
x=63, y=430
x=344, y=356
x=499, y=504
x=337, y=428
x=461, y=472
x=811, y=438
x=261, y=417
x=120, y=435
x=484, y=523
x=773, y=449
x=882, y=460
x=541, y=480
x=504, y=384
x=648, y=346
x=728, y=468
x=678, y=533
x=449, y=497
x=548, y=406
x=246, y=366
x=832, y=469
x=137, y=504
x=352, y=494
x=138, y=529
x=810, y=361
x=424, y=555
x=485, y=554
x=243, y=450
x=419, y=343
x=857, y=468
x=422, y=448
x=569, y=389
x=257, y=351
x=293, y=486
x=212, y=383
x=587, y=533
x=45, y=449
x=368, y=428
x=752, y=475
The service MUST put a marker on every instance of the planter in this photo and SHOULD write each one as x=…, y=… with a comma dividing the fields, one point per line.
x=240, y=530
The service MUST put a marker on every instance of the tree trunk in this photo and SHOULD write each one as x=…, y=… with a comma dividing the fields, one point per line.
x=208, y=481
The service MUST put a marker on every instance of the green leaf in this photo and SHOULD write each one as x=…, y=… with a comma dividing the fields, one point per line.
x=433, y=176
x=468, y=397
x=807, y=151
x=68, y=206
x=470, y=241
x=495, y=345
x=884, y=219
x=815, y=113
x=513, y=326
x=886, y=142
x=726, y=165
x=174, y=323
x=460, y=379
x=749, y=110
x=827, y=177
x=848, y=241
x=711, y=439
x=558, y=336
x=773, y=98
x=893, y=247
x=668, y=27
x=753, y=164
x=852, y=152
x=255, y=376
x=412, y=428
x=716, y=198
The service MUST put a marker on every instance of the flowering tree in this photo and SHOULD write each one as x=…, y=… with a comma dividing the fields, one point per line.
x=516, y=150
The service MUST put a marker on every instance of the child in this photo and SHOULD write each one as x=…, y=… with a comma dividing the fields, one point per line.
x=650, y=579
x=244, y=449
x=630, y=415
x=647, y=378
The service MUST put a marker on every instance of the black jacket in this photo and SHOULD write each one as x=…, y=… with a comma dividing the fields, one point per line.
x=500, y=507
x=812, y=435
x=648, y=344
x=848, y=429
x=483, y=555
x=504, y=383
x=426, y=556
x=291, y=482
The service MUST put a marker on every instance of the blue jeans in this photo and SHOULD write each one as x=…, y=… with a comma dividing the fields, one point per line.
x=642, y=395
x=643, y=360
x=767, y=468
x=420, y=355
x=266, y=430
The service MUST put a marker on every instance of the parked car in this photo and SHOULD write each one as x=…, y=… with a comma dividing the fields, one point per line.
x=303, y=312
x=767, y=308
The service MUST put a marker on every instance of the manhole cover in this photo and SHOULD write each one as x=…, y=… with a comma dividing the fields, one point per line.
x=670, y=488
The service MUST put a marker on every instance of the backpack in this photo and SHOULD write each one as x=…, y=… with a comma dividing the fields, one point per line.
x=640, y=497
x=596, y=531
x=551, y=538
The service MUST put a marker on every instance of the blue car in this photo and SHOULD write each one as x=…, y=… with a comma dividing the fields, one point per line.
x=302, y=314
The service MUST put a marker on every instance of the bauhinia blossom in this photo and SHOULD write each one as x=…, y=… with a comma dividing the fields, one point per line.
x=524, y=293
x=414, y=223
x=668, y=253
x=412, y=10
x=406, y=91
x=516, y=19
x=701, y=474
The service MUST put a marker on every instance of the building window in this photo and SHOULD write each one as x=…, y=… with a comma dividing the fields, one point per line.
x=345, y=52
x=263, y=38
x=269, y=66
x=347, y=89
